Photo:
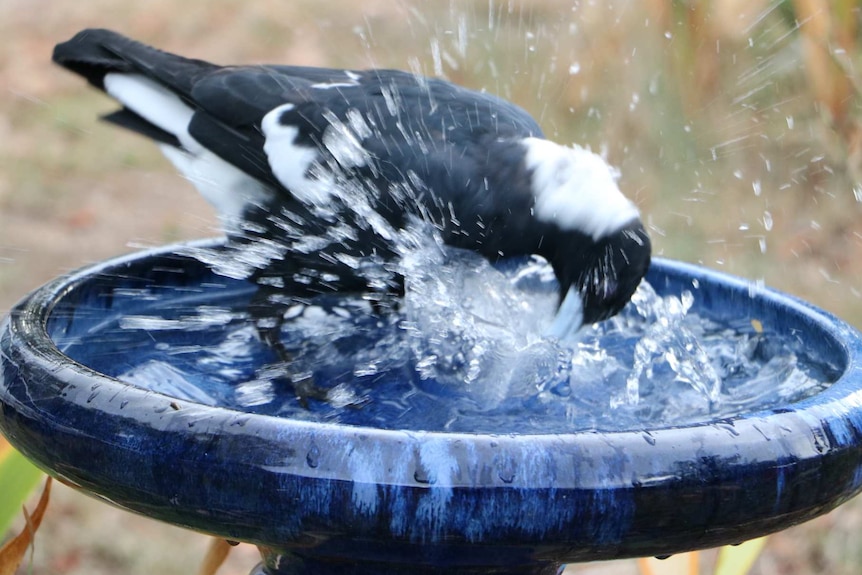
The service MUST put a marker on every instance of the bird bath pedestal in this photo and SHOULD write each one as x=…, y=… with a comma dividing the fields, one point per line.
x=325, y=498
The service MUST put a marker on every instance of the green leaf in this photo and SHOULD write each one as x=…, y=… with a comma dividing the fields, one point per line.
x=18, y=478
x=13, y=551
x=737, y=560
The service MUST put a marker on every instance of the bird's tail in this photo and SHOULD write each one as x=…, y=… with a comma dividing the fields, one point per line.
x=153, y=86
x=92, y=53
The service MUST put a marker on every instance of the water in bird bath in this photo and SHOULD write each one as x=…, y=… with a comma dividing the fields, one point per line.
x=463, y=351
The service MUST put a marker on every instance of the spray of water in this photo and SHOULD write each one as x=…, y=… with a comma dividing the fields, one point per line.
x=464, y=351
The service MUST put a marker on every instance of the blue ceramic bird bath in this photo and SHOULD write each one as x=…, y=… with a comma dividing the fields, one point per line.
x=326, y=498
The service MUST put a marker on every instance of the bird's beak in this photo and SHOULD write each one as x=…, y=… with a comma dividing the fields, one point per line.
x=569, y=318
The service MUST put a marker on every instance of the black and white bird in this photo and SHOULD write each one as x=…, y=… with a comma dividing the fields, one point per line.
x=318, y=168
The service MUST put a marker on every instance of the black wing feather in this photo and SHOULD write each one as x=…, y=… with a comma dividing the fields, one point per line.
x=421, y=128
x=129, y=120
x=93, y=53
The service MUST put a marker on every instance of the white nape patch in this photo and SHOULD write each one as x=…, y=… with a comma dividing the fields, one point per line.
x=154, y=103
x=569, y=318
x=576, y=189
x=226, y=187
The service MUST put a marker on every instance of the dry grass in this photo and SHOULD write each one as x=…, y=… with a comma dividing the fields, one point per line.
x=738, y=155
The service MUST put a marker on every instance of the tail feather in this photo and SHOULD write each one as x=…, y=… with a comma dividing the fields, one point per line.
x=128, y=119
x=155, y=88
x=93, y=53
x=161, y=107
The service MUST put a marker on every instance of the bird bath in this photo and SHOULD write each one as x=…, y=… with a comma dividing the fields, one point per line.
x=326, y=498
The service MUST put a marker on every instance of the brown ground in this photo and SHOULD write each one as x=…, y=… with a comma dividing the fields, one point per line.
x=709, y=120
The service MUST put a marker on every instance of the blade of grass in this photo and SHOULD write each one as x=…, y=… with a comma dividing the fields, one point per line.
x=12, y=553
x=682, y=564
x=18, y=478
x=216, y=554
x=739, y=559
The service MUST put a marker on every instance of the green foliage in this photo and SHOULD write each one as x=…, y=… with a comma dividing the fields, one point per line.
x=738, y=560
x=18, y=478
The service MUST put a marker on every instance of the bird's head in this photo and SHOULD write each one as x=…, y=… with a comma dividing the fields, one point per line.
x=597, y=245
x=597, y=279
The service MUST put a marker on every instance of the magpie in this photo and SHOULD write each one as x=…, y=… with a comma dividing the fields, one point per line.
x=318, y=173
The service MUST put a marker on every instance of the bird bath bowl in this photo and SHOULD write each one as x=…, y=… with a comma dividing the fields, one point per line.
x=326, y=498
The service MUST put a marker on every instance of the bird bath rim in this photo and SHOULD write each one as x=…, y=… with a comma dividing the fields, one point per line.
x=340, y=490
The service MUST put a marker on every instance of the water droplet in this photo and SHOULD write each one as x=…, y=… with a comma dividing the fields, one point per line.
x=737, y=174
x=767, y=221
x=312, y=458
x=756, y=186
x=435, y=55
x=668, y=35
x=575, y=68
x=421, y=475
x=789, y=122
x=506, y=471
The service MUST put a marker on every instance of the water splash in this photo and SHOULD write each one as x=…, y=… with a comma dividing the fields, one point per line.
x=669, y=343
x=463, y=351
x=470, y=327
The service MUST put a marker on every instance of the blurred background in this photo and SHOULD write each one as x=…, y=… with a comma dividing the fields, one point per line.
x=734, y=123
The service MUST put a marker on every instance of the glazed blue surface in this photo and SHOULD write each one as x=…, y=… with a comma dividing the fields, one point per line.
x=320, y=492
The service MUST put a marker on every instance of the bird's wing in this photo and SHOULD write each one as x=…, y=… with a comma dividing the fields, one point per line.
x=395, y=116
x=384, y=126
x=424, y=147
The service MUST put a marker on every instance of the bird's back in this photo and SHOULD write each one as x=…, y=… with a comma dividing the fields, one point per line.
x=367, y=150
